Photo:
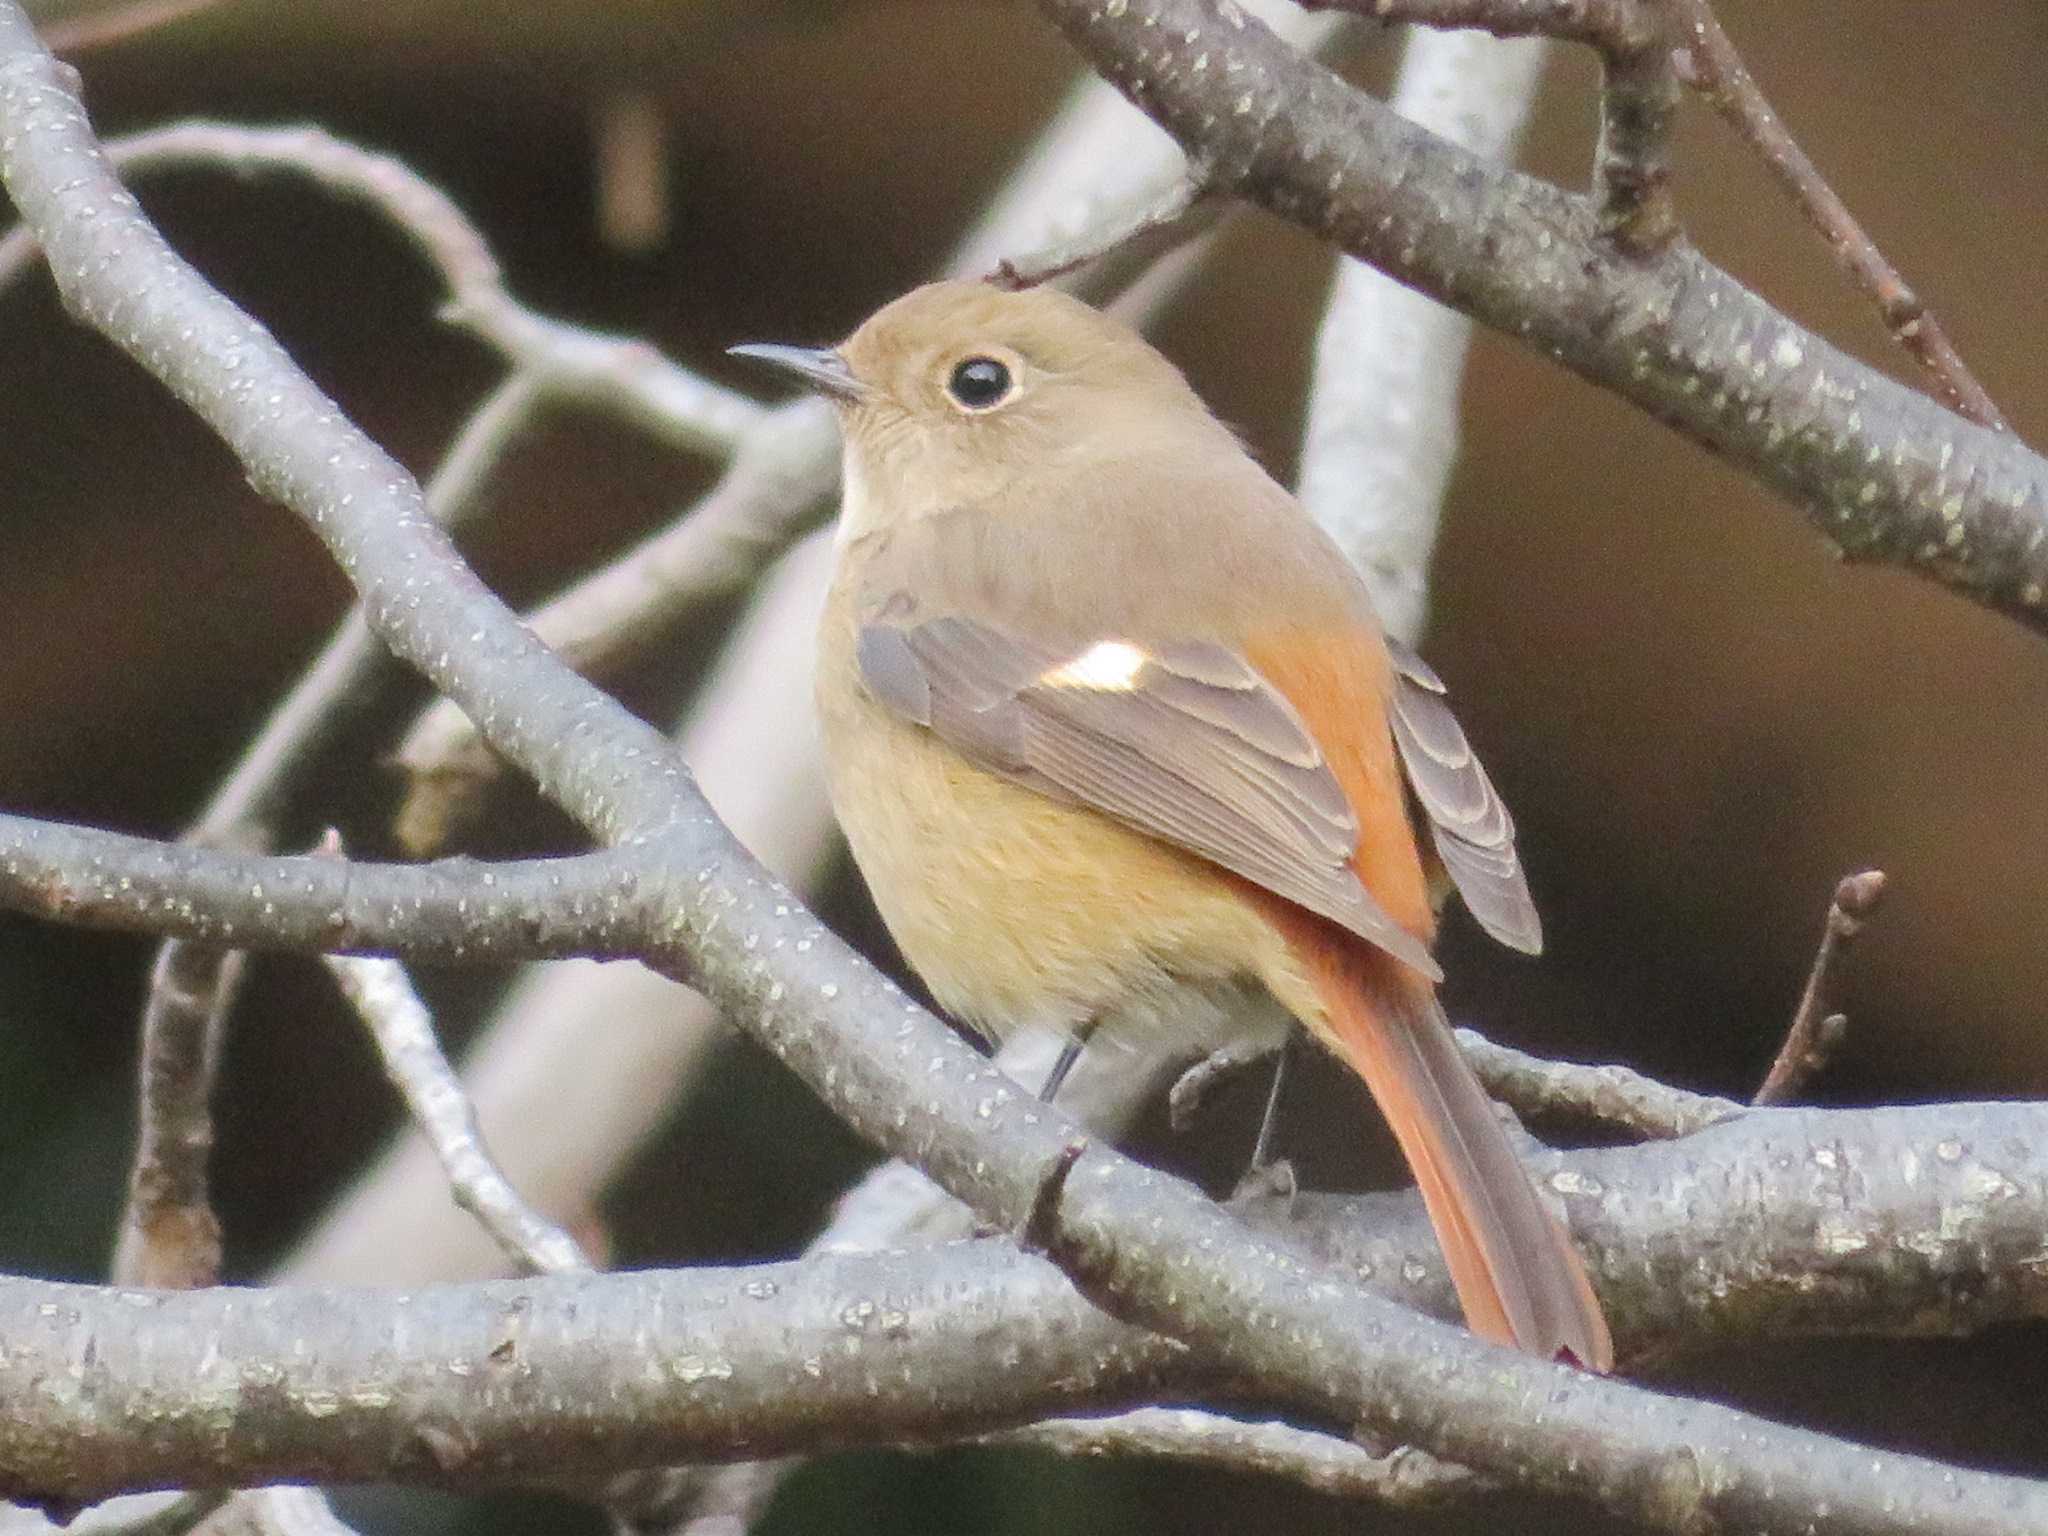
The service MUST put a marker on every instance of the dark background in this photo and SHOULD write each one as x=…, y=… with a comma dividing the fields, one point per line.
x=1700, y=719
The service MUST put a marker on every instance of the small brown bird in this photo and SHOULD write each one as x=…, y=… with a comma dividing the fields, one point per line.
x=1119, y=746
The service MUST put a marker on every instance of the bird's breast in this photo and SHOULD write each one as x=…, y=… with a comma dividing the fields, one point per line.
x=1016, y=908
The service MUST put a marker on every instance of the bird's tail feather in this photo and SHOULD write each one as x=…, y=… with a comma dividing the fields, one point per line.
x=1517, y=1276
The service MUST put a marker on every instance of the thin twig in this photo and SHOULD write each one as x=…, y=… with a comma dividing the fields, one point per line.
x=403, y=1030
x=169, y=1235
x=1607, y=1095
x=1532, y=1086
x=1817, y=1030
x=1717, y=72
x=1398, y=1479
x=782, y=470
x=622, y=376
x=1141, y=236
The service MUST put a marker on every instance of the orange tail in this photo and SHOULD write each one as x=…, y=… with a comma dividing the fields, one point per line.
x=1517, y=1275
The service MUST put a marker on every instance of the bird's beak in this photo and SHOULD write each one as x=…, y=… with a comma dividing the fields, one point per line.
x=820, y=367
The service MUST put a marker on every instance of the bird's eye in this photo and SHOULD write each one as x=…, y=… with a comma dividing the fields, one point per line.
x=980, y=384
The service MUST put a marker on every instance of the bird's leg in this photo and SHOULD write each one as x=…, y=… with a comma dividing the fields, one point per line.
x=1192, y=1089
x=1268, y=1177
x=1070, y=1052
x=1262, y=1148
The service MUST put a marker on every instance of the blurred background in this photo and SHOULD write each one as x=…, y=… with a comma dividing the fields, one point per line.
x=1700, y=718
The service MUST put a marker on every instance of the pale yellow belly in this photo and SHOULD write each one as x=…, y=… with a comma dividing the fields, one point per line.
x=1019, y=909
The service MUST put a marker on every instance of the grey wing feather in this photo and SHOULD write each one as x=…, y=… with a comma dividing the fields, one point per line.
x=890, y=668
x=1191, y=746
x=1475, y=837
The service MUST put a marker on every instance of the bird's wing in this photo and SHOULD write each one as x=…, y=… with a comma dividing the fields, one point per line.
x=1475, y=837
x=1184, y=741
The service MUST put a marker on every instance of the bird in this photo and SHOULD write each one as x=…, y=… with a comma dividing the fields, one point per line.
x=1122, y=751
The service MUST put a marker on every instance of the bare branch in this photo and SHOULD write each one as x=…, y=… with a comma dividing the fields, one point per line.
x=1638, y=97
x=1141, y=236
x=1718, y=73
x=782, y=470
x=1608, y=1095
x=1399, y=1479
x=1740, y=1233
x=1635, y=40
x=621, y=375
x=169, y=1235
x=403, y=1031
x=1382, y=427
x=537, y=1380
x=1816, y=1028
x=454, y=909
x=1885, y=473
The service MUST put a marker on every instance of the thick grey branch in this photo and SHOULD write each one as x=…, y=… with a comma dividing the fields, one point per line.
x=1896, y=1221
x=452, y=909
x=534, y=1381
x=1883, y=472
